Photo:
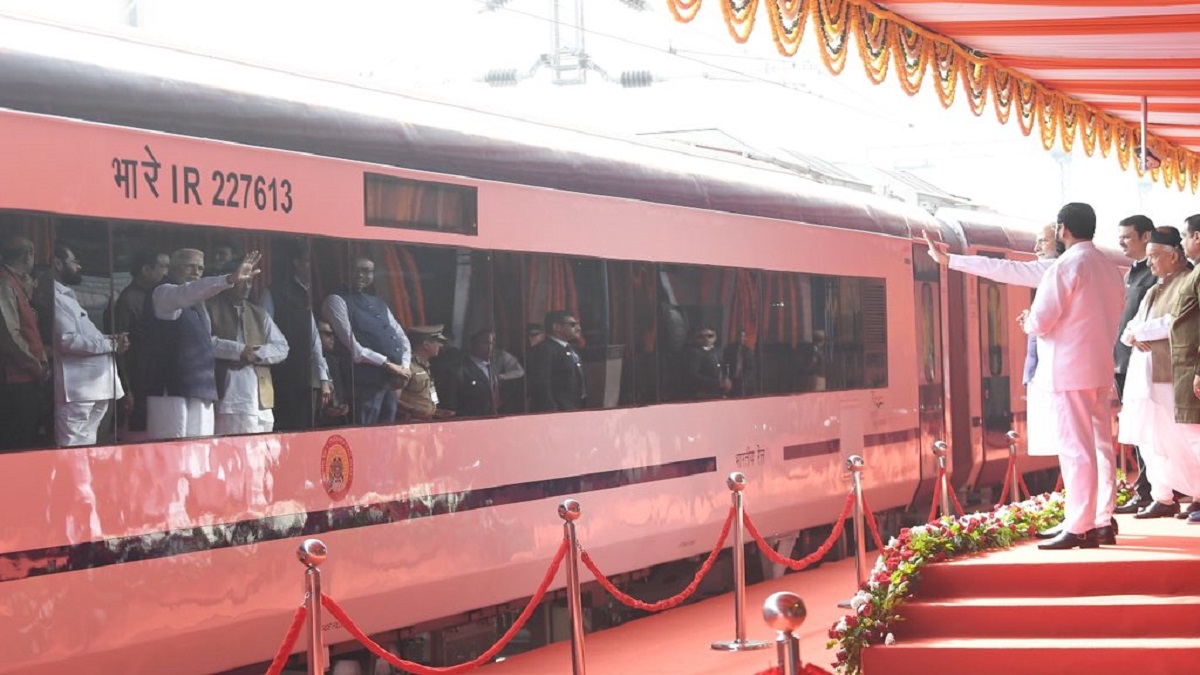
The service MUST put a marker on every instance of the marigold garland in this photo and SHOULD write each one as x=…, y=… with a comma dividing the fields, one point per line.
x=912, y=53
x=739, y=19
x=787, y=24
x=887, y=40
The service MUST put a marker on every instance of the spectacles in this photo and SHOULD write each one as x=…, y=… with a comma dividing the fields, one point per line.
x=570, y=323
x=708, y=335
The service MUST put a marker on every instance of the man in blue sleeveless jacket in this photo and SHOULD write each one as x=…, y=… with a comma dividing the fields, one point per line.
x=378, y=350
x=180, y=366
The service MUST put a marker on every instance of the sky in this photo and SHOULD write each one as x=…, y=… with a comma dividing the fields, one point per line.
x=701, y=79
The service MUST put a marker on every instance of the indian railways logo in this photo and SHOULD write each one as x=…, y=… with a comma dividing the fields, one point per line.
x=337, y=467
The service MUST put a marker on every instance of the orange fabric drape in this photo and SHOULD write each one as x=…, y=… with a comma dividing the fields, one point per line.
x=551, y=285
x=1119, y=25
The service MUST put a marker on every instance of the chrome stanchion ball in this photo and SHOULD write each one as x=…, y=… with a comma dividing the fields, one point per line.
x=1013, y=436
x=570, y=510
x=855, y=463
x=736, y=481
x=312, y=552
x=784, y=611
x=940, y=448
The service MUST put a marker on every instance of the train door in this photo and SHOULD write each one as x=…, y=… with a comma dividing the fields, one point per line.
x=995, y=360
x=931, y=392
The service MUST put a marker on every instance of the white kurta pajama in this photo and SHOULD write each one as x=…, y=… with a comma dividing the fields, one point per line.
x=85, y=371
x=1148, y=409
x=240, y=411
x=176, y=416
x=1075, y=314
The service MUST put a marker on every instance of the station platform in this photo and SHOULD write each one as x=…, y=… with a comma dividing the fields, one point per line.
x=1134, y=607
x=677, y=641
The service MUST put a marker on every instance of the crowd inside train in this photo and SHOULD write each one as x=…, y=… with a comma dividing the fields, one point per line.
x=182, y=352
x=1090, y=329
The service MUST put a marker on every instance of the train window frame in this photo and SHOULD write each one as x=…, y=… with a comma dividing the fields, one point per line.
x=466, y=197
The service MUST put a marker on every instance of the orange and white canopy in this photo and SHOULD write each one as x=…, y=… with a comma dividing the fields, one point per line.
x=1070, y=68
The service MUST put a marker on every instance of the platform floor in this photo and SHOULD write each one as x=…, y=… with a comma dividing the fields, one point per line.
x=677, y=642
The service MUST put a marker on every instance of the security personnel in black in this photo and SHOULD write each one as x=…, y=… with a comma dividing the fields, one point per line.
x=554, y=369
x=302, y=381
x=1133, y=235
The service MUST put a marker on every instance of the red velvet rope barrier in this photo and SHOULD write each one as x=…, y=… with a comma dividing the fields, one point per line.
x=957, y=507
x=1021, y=477
x=418, y=669
x=668, y=603
x=871, y=524
x=797, y=565
x=1007, y=481
x=289, y=641
x=937, y=495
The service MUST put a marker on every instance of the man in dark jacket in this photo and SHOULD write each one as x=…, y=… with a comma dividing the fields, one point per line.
x=555, y=370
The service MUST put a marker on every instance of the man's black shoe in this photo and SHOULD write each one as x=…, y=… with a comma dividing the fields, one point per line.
x=1132, y=506
x=1049, y=533
x=1104, y=535
x=1194, y=507
x=1068, y=540
x=1157, y=510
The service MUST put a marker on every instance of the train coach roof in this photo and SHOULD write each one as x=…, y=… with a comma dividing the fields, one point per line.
x=52, y=70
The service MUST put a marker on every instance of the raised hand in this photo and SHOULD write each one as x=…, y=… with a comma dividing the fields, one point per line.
x=247, y=270
x=937, y=250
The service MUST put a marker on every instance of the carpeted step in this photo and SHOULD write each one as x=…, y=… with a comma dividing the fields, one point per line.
x=1061, y=574
x=1070, y=617
x=1103, y=656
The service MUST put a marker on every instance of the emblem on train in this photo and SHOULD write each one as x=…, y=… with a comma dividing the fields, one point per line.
x=337, y=467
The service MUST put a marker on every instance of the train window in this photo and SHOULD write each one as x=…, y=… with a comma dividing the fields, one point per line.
x=182, y=372
x=304, y=387
x=850, y=313
x=514, y=332
x=643, y=312
x=705, y=315
x=26, y=301
x=793, y=350
x=420, y=205
x=577, y=363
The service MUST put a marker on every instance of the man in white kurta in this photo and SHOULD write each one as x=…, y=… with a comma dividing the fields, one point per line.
x=170, y=416
x=1075, y=316
x=242, y=408
x=85, y=367
x=1148, y=411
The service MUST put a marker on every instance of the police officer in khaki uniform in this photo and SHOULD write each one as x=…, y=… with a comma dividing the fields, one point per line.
x=418, y=398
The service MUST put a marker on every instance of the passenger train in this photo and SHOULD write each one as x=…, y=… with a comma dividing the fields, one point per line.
x=179, y=556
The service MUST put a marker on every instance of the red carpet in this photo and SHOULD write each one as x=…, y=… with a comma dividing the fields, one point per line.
x=1130, y=608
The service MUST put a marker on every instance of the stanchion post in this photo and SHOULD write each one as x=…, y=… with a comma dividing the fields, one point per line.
x=736, y=483
x=940, y=449
x=312, y=553
x=1013, y=437
x=570, y=511
x=855, y=465
x=785, y=612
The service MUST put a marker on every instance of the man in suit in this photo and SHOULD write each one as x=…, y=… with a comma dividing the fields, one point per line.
x=1133, y=235
x=1075, y=317
x=146, y=270
x=85, y=367
x=302, y=381
x=479, y=383
x=703, y=374
x=738, y=357
x=555, y=371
